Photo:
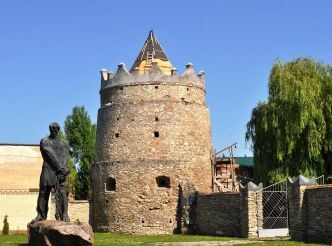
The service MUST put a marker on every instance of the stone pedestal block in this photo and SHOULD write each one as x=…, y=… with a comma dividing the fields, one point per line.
x=55, y=233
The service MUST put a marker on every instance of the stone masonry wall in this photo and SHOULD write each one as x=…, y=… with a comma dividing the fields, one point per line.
x=20, y=206
x=297, y=211
x=153, y=92
x=319, y=213
x=251, y=210
x=219, y=214
x=310, y=207
x=126, y=126
x=138, y=205
x=77, y=210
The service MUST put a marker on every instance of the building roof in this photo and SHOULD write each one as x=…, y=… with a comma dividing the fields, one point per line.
x=17, y=144
x=241, y=161
x=247, y=161
x=151, y=51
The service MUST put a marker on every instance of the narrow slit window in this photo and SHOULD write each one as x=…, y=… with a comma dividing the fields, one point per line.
x=163, y=181
x=156, y=134
x=156, y=118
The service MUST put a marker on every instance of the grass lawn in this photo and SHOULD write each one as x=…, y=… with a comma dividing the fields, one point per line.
x=104, y=239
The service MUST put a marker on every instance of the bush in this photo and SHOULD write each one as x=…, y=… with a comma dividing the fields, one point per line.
x=5, y=229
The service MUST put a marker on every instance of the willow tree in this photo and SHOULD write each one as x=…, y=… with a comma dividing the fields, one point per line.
x=291, y=132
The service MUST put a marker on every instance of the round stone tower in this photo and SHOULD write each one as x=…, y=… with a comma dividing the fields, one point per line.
x=153, y=145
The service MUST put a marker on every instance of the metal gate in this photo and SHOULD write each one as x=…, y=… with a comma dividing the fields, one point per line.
x=272, y=209
x=273, y=214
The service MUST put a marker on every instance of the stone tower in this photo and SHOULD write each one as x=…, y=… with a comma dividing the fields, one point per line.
x=153, y=137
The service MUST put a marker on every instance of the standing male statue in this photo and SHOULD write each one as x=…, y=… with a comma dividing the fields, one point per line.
x=55, y=153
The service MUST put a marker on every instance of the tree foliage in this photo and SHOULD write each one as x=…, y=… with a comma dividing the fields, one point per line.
x=291, y=132
x=81, y=135
x=71, y=180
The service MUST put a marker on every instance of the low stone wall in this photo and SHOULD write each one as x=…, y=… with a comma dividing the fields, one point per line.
x=78, y=210
x=310, y=211
x=218, y=214
x=230, y=214
x=20, y=207
x=319, y=213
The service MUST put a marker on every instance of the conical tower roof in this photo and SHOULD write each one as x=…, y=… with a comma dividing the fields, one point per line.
x=152, y=51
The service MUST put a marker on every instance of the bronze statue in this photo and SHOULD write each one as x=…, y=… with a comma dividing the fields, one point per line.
x=55, y=153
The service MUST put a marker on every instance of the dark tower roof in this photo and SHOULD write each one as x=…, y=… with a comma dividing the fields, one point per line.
x=151, y=50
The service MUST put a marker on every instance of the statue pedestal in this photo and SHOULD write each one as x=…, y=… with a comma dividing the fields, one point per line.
x=55, y=233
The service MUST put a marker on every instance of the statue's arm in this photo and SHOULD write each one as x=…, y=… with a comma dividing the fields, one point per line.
x=50, y=155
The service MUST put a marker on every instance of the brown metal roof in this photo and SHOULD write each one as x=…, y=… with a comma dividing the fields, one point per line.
x=152, y=47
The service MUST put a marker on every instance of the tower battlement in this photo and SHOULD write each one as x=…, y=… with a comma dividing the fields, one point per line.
x=155, y=75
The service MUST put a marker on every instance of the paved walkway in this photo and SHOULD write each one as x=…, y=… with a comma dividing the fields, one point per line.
x=207, y=243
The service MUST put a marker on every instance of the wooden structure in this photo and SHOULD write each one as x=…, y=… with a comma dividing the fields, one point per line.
x=224, y=174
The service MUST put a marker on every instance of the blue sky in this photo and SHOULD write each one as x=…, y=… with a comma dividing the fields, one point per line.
x=51, y=53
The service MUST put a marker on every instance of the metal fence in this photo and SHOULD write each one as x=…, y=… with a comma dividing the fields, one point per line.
x=320, y=180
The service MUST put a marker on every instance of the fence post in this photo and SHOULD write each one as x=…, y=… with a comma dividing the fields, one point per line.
x=251, y=210
x=296, y=207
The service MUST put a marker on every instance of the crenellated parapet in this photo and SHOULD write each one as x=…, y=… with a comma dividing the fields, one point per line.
x=154, y=76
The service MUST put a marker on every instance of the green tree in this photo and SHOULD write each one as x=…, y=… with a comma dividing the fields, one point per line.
x=5, y=229
x=71, y=179
x=291, y=132
x=81, y=135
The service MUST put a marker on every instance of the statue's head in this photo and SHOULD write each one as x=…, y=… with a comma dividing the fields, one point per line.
x=54, y=129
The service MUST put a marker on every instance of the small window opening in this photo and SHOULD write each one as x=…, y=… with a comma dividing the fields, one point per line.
x=156, y=118
x=132, y=119
x=170, y=221
x=188, y=89
x=118, y=220
x=163, y=181
x=156, y=134
x=121, y=88
x=111, y=184
x=117, y=135
x=142, y=220
x=117, y=119
x=156, y=87
x=107, y=201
